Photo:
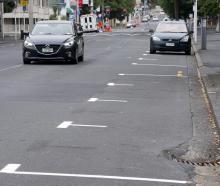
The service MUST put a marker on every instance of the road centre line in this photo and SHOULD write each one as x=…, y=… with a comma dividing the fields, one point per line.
x=12, y=169
x=106, y=100
x=67, y=124
x=114, y=84
x=152, y=75
x=11, y=67
x=159, y=65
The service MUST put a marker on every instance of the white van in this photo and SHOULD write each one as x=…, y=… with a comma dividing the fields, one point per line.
x=89, y=23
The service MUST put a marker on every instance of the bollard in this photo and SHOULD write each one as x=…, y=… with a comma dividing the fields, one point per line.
x=203, y=33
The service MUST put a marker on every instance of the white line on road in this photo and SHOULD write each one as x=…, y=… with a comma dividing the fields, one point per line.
x=11, y=67
x=12, y=169
x=159, y=65
x=106, y=100
x=67, y=124
x=114, y=84
x=150, y=75
x=144, y=59
x=145, y=54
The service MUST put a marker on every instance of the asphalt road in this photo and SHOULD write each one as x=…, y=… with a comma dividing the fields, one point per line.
x=114, y=139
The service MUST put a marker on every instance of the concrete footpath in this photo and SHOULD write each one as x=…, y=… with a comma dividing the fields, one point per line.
x=209, y=67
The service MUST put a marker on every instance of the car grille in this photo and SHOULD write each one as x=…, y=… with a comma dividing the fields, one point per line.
x=170, y=40
x=40, y=47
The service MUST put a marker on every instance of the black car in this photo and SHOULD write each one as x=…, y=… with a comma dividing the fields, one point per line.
x=54, y=40
x=171, y=36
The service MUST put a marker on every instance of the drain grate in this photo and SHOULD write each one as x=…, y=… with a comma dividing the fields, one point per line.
x=202, y=164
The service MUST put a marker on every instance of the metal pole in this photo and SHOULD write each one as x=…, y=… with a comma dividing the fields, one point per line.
x=195, y=8
x=2, y=19
x=203, y=34
x=31, y=15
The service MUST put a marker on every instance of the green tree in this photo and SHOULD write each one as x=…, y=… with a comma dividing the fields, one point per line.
x=9, y=5
x=177, y=8
x=208, y=7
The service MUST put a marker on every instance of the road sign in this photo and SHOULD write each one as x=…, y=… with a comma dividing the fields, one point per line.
x=24, y=2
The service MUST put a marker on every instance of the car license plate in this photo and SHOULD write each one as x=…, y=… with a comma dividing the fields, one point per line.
x=47, y=50
x=170, y=44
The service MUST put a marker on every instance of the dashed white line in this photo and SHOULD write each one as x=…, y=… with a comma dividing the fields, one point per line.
x=144, y=59
x=151, y=75
x=67, y=124
x=106, y=100
x=114, y=84
x=159, y=65
x=12, y=169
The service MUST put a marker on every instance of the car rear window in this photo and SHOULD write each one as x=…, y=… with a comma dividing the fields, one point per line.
x=171, y=27
x=52, y=29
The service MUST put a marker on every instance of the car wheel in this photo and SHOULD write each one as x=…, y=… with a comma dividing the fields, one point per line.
x=188, y=52
x=74, y=60
x=26, y=61
x=81, y=58
x=152, y=50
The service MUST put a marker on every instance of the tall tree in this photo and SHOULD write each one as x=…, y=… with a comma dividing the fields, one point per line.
x=177, y=8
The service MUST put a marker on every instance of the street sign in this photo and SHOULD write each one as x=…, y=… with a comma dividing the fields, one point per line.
x=24, y=8
x=24, y=3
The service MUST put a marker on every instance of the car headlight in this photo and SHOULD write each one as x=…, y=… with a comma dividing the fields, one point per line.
x=156, y=38
x=28, y=44
x=69, y=43
x=185, y=39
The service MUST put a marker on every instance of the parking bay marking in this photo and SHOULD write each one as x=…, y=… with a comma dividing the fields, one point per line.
x=12, y=169
x=154, y=75
x=67, y=124
x=114, y=84
x=106, y=100
x=159, y=65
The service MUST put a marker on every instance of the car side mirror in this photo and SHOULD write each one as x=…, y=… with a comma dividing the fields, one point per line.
x=191, y=32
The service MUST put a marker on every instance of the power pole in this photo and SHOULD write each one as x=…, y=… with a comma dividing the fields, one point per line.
x=2, y=19
x=195, y=9
x=31, y=15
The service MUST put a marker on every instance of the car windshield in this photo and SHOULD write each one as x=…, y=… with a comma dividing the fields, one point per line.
x=52, y=29
x=171, y=27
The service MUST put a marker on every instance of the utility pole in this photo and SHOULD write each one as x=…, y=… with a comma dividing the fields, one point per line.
x=31, y=15
x=2, y=19
x=195, y=9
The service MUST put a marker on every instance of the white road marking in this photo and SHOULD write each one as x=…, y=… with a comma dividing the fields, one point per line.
x=152, y=75
x=12, y=169
x=145, y=54
x=159, y=65
x=67, y=124
x=106, y=100
x=114, y=84
x=143, y=59
x=11, y=67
